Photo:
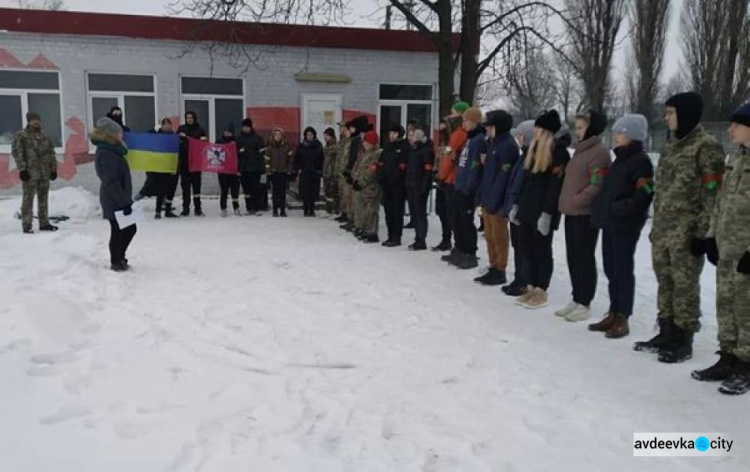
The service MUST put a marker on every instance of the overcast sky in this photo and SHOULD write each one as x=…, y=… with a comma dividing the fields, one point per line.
x=366, y=13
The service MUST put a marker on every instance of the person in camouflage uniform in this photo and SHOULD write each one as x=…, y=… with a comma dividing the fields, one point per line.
x=729, y=242
x=345, y=189
x=35, y=159
x=688, y=178
x=357, y=128
x=330, y=176
x=367, y=189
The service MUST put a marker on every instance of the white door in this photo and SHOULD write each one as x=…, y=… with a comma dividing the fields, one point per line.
x=320, y=111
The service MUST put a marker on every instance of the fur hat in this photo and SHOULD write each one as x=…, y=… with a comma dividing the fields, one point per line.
x=550, y=121
x=500, y=119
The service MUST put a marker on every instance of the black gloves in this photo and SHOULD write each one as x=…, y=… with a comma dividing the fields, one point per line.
x=356, y=186
x=25, y=176
x=53, y=175
x=743, y=267
x=712, y=251
x=349, y=179
x=346, y=173
x=697, y=247
x=127, y=210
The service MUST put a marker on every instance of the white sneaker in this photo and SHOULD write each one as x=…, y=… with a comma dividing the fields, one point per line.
x=569, y=308
x=581, y=313
x=258, y=213
x=237, y=213
x=224, y=213
x=538, y=300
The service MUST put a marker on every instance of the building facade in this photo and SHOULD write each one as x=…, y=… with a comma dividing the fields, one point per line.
x=73, y=67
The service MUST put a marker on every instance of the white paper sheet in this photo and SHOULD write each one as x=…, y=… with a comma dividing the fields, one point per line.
x=123, y=220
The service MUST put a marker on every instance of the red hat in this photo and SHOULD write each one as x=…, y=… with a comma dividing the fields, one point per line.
x=372, y=138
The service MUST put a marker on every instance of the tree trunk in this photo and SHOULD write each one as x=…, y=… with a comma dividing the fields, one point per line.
x=445, y=56
x=470, y=36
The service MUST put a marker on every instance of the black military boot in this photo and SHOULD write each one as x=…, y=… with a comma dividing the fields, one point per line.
x=658, y=342
x=418, y=245
x=514, y=289
x=392, y=243
x=449, y=257
x=719, y=371
x=370, y=238
x=185, y=210
x=738, y=382
x=198, y=207
x=679, y=349
x=467, y=261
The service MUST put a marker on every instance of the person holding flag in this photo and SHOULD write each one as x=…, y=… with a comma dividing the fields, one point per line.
x=229, y=181
x=158, y=184
x=188, y=179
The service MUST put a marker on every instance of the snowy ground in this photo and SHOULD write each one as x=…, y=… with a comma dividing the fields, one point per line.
x=260, y=344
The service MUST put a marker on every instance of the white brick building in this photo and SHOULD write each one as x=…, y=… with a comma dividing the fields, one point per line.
x=72, y=67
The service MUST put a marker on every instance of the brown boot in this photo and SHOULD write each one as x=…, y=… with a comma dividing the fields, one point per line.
x=604, y=324
x=619, y=328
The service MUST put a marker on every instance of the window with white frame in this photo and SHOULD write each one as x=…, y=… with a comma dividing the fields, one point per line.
x=216, y=101
x=400, y=103
x=22, y=91
x=134, y=94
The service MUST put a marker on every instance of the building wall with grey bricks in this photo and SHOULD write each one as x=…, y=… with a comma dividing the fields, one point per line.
x=270, y=82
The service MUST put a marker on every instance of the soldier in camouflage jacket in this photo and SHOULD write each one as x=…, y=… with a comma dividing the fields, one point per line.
x=688, y=179
x=35, y=158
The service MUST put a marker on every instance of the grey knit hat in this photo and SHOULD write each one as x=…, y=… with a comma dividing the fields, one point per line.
x=633, y=125
x=108, y=125
x=526, y=128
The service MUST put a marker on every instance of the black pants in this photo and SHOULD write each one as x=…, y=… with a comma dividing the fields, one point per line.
x=171, y=190
x=252, y=190
x=158, y=185
x=309, y=190
x=537, y=251
x=119, y=240
x=441, y=208
x=618, y=252
x=465, y=231
x=451, y=204
x=418, y=204
x=279, y=187
x=187, y=181
x=580, y=244
x=229, y=183
x=519, y=257
x=393, y=202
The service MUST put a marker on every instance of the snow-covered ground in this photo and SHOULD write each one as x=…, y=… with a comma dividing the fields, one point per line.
x=260, y=344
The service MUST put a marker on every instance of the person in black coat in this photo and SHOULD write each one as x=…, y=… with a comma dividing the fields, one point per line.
x=116, y=187
x=115, y=114
x=537, y=207
x=308, y=163
x=229, y=183
x=188, y=180
x=392, y=170
x=420, y=159
x=159, y=184
x=252, y=167
x=621, y=210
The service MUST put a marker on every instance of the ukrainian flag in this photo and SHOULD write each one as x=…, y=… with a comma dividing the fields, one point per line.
x=153, y=152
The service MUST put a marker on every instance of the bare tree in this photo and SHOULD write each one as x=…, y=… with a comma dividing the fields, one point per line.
x=54, y=5
x=531, y=82
x=712, y=43
x=650, y=20
x=593, y=28
x=567, y=91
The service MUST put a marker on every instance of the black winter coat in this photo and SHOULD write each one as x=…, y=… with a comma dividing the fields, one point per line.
x=626, y=193
x=309, y=158
x=194, y=131
x=420, y=160
x=113, y=170
x=540, y=192
x=354, y=149
x=250, y=147
x=393, y=163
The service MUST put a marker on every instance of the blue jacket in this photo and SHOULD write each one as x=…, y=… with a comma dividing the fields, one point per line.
x=502, y=155
x=469, y=173
x=515, y=184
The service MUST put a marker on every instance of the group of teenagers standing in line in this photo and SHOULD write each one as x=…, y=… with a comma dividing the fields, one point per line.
x=524, y=180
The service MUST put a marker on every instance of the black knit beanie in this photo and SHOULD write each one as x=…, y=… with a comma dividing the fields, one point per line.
x=550, y=121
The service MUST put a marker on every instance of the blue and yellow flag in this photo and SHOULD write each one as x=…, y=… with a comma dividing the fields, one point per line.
x=153, y=152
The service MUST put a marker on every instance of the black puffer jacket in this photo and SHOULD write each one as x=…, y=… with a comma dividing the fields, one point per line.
x=194, y=131
x=627, y=192
x=309, y=158
x=420, y=160
x=393, y=163
x=250, y=152
x=113, y=171
x=540, y=192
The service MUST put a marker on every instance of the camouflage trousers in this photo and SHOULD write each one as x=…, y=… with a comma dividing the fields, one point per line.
x=367, y=211
x=40, y=189
x=678, y=273
x=733, y=309
x=331, y=191
x=347, y=199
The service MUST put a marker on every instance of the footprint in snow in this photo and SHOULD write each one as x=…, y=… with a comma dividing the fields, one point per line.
x=65, y=413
